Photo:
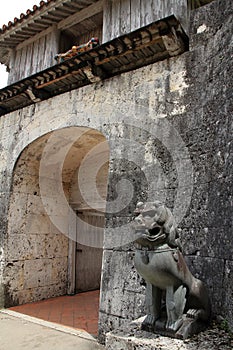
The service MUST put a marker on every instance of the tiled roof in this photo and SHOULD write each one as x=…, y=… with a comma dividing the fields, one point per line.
x=38, y=19
x=33, y=21
x=23, y=16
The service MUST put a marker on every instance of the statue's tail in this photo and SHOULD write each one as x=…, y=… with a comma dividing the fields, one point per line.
x=199, y=299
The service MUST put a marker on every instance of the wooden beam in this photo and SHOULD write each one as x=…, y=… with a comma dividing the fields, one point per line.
x=81, y=15
x=140, y=62
x=113, y=56
x=57, y=79
x=172, y=43
x=90, y=76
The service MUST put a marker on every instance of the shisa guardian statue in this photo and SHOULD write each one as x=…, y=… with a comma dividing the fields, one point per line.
x=177, y=303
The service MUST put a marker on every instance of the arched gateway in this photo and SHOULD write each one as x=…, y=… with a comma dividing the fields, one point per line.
x=153, y=87
x=55, y=236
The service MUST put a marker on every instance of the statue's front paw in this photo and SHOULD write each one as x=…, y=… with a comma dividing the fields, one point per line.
x=149, y=323
x=193, y=313
x=175, y=325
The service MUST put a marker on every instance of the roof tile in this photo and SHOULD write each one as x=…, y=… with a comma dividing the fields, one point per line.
x=23, y=16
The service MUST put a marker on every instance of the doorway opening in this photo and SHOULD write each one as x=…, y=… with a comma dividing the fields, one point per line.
x=88, y=193
x=49, y=254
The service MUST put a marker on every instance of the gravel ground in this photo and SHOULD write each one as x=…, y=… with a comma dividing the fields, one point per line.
x=214, y=338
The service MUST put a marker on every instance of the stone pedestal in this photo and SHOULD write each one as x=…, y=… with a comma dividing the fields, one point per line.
x=133, y=338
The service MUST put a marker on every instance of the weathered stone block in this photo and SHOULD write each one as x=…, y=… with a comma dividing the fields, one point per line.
x=227, y=310
x=17, y=212
x=120, y=297
x=37, y=224
x=208, y=270
x=37, y=273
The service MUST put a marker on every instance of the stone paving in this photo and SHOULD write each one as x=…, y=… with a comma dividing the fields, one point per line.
x=20, y=332
x=79, y=311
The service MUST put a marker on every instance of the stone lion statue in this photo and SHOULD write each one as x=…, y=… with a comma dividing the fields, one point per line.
x=177, y=302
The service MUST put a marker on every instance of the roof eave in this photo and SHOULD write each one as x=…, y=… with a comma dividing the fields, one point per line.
x=20, y=25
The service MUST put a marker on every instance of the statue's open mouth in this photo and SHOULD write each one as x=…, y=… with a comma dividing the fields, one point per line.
x=154, y=234
x=155, y=231
x=147, y=232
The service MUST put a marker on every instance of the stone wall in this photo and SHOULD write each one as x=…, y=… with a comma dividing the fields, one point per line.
x=208, y=130
x=194, y=93
x=168, y=128
x=36, y=252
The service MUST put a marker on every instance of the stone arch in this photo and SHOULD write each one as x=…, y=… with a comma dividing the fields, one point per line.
x=37, y=249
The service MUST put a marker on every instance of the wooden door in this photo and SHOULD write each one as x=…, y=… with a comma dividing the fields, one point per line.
x=89, y=257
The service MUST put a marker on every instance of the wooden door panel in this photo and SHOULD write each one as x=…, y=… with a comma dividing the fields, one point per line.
x=89, y=259
x=88, y=268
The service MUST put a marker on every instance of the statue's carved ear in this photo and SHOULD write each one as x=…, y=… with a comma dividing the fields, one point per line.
x=139, y=207
x=157, y=204
x=140, y=204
